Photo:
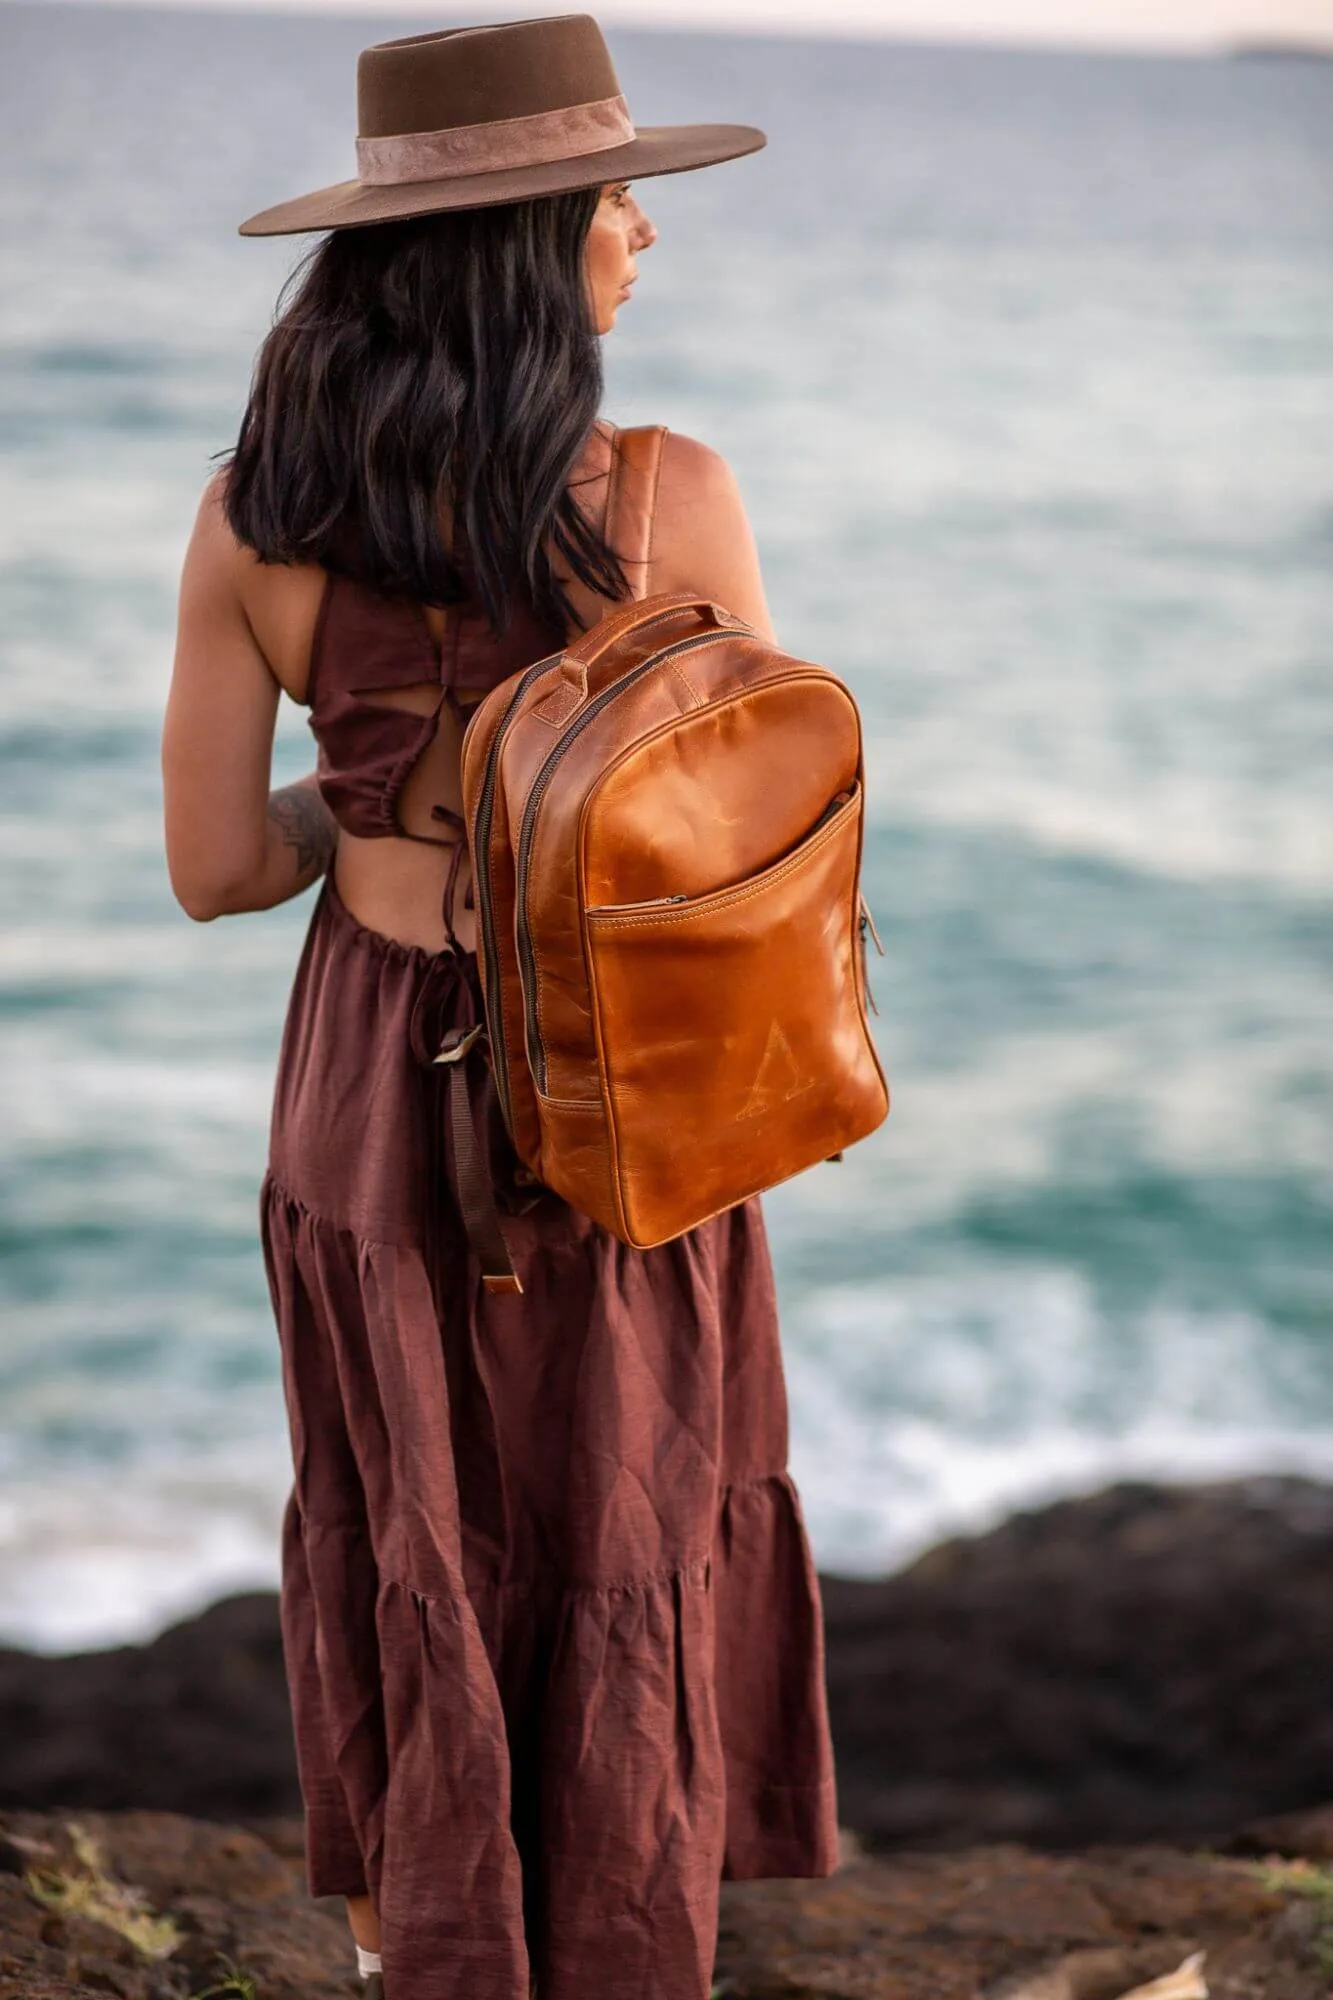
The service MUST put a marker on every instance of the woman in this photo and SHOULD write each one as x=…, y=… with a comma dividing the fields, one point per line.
x=550, y=1620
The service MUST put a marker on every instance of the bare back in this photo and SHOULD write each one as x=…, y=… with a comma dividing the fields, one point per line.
x=395, y=885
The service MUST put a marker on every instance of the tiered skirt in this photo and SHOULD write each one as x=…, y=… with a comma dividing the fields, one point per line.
x=551, y=1624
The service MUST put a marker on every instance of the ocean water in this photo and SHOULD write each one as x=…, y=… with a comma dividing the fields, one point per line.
x=1025, y=364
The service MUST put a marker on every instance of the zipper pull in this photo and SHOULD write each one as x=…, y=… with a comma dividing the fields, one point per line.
x=867, y=923
x=618, y=909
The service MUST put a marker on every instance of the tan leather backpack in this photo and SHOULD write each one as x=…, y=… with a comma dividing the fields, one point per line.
x=665, y=825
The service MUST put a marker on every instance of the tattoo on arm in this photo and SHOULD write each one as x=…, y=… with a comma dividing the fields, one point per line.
x=306, y=826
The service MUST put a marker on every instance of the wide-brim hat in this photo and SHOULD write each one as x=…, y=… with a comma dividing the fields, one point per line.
x=468, y=117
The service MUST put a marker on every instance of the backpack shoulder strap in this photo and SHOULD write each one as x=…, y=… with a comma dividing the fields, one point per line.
x=631, y=501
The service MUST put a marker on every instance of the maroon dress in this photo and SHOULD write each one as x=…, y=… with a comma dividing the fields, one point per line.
x=551, y=1626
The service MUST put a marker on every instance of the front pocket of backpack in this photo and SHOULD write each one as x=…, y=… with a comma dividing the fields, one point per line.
x=792, y=856
x=730, y=1028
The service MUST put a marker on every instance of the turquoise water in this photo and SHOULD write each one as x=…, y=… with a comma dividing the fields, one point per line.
x=1025, y=364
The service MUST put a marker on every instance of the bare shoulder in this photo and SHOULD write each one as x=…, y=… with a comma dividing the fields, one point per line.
x=693, y=475
x=211, y=592
x=213, y=547
x=703, y=540
x=215, y=559
x=278, y=602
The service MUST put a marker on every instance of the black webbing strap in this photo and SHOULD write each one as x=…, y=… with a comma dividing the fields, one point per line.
x=472, y=1178
x=458, y=1047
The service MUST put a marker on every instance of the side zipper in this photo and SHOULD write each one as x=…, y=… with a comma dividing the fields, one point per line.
x=865, y=923
x=485, y=907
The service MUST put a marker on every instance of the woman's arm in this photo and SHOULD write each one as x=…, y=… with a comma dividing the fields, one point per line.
x=232, y=843
x=309, y=835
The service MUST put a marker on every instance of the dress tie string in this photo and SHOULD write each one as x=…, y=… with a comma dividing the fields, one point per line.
x=447, y=1031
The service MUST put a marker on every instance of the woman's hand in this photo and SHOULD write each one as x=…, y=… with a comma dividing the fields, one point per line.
x=232, y=843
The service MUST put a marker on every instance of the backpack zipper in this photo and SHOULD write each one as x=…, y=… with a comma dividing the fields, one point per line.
x=866, y=922
x=526, y=956
x=648, y=903
x=481, y=842
x=485, y=908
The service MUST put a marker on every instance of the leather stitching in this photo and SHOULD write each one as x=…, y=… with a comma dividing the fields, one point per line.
x=652, y=511
x=612, y=482
x=696, y=700
x=556, y=707
x=643, y=478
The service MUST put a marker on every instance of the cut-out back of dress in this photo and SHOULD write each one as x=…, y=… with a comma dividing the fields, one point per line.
x=381, y=687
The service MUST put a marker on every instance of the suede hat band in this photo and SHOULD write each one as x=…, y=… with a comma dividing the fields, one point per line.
x=504, y=142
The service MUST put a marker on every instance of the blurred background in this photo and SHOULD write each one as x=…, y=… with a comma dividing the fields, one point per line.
x=1023, y=355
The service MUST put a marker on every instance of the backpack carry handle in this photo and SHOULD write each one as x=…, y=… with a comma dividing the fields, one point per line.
x=618, y=625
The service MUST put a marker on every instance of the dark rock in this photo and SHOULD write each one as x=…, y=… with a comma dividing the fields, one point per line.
x=1149, y=1663
x=1146, y=1664
x=996, y=1923
x=103, y=1975
x=1308, y=1834
x=235, y=1902
x=1004, y=1924
x=197, y=1721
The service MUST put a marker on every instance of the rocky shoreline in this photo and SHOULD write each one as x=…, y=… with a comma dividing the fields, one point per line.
x=154, y=1906
x=1133, y=1686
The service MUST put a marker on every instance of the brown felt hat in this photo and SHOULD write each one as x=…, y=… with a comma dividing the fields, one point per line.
x=468, y=117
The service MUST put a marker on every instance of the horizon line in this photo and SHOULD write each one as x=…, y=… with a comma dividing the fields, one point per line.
x=712, y=19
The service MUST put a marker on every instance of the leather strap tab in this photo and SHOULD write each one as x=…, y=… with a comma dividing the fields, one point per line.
x=571, y=690
x=631, y=501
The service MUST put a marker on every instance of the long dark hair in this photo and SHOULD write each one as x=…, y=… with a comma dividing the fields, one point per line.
x=450, y=360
